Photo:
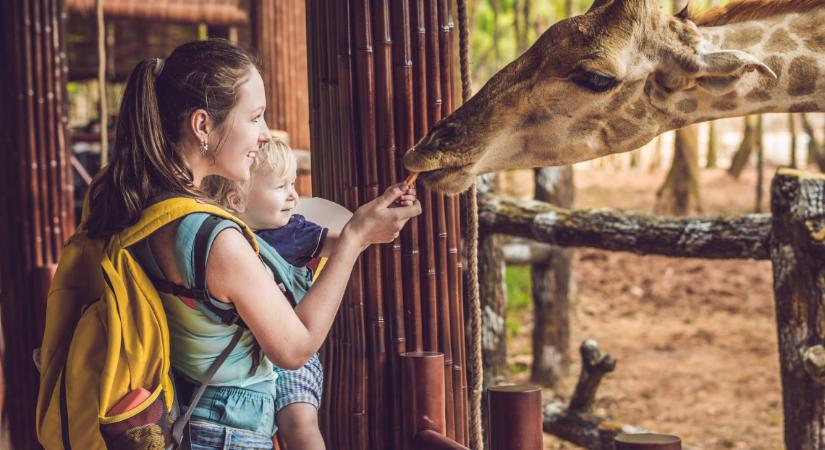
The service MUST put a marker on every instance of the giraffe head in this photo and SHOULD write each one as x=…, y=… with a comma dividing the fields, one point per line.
x=604, y=82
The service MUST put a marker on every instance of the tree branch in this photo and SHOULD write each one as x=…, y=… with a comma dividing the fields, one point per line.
x=735, y=237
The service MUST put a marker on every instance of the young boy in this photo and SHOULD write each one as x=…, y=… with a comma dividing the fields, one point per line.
x=266, y=202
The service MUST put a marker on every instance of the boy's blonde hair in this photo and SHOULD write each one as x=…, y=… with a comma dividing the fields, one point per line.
x=274, y=157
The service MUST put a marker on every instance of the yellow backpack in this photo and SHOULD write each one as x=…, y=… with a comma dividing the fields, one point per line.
x=106, y=337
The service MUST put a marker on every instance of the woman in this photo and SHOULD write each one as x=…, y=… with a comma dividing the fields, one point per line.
x=200, y=113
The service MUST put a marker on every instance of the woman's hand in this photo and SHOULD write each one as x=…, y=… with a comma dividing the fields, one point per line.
x=382, y=219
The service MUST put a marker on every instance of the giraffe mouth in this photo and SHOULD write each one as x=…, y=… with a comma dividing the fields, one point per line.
x=449, y=180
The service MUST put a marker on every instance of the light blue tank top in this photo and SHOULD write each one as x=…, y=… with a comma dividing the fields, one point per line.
x=196, y=336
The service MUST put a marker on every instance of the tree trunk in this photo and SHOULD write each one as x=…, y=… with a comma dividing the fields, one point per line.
x=493, y=295
x=760, y=156
x=551, y=287
x=815, y=151
x=711, y=162
x=797, y=250
x=792, y=151
x=525, y=31
x=496, y=11
x=679, y=195
x=656, y=160
x=517, y=24
x=743, y=153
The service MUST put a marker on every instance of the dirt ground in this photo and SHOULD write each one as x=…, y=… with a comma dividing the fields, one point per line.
x=695, y=339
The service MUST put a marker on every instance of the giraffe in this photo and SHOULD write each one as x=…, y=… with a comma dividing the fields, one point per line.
x=615, y=77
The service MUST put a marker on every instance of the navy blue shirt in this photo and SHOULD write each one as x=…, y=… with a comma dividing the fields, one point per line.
x=298, y=242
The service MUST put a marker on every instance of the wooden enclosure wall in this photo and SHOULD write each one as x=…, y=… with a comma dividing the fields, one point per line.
x=279, y=38
x=35, y=191
x=381, y=72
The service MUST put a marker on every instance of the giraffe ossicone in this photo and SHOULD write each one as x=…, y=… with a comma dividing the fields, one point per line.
x=624, y=72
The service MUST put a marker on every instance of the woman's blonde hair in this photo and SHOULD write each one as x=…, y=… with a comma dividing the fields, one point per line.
x=274, y=158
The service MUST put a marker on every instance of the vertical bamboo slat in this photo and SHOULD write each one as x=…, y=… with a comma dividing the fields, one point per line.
x=35, y=191
x=380, y=76
x=280, y=39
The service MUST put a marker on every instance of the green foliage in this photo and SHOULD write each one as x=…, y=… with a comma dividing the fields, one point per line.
x=519, y=285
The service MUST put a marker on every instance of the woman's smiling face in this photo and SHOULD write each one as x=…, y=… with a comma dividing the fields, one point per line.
x=239, y=137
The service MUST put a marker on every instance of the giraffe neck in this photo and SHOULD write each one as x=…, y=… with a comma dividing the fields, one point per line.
x=793, y=45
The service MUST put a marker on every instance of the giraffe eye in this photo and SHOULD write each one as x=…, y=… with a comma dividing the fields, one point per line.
x=594, y=81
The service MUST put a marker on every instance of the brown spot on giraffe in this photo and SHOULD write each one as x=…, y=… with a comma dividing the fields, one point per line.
x=805, y=25
x=622, y=129
x=677, y=123
x=744, y=37
x=583, y=127
x=776, y=63
x=758, y=95
x=816, y=43
x=802, y=74
x=724, y=105
x=804, y=107
x=659, y=95
x=637, y=110
x=624, y=95
x=687, y=105
x=809, y=28
x=781, y=41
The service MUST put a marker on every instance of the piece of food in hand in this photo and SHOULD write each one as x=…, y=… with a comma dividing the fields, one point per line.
x=409, y=181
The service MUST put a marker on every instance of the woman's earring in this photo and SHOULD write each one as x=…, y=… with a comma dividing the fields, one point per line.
x=204, y=147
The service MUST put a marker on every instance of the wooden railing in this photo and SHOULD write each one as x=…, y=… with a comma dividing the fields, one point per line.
x=792, y=237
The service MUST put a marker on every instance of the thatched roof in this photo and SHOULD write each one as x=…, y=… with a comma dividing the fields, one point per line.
x=212, y=12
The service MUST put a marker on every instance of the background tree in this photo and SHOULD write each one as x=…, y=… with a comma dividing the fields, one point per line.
x=679, y=194
x=743, y=152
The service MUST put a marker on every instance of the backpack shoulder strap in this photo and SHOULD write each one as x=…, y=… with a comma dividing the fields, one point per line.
x=180, y=424
x=199, y=292
x=166, y=211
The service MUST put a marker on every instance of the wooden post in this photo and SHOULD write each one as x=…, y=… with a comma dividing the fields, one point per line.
x=798, y=256
x=551, y=287
x=35, y=190
x=423, y=402
x=647, y=441
x=514, y=418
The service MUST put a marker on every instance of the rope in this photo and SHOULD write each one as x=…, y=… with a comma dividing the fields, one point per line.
x=472, y=296
x=101, y=80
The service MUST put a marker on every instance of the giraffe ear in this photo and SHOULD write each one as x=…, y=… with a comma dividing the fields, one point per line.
x=731, y=63
x=684, y=14
x=721, y=71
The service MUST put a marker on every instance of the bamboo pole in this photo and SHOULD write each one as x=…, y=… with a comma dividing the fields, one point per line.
x=33, y=173
x=377, y=86
x=101, y=81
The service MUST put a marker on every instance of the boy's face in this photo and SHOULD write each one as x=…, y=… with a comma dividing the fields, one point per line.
x=270, y=201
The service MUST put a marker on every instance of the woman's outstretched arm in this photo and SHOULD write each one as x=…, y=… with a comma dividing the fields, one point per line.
x=288, y=336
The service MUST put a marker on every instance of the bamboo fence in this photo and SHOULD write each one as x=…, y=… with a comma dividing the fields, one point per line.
x=380, y=74
x=279, y=38
x=35, y=190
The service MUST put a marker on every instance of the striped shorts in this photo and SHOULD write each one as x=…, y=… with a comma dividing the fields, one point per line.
x=305, y=385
